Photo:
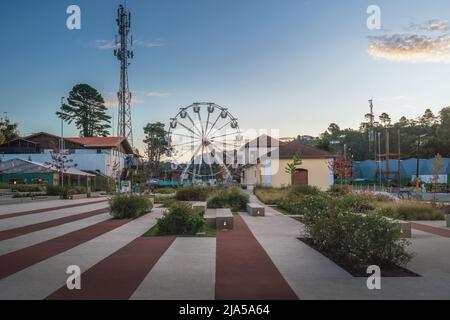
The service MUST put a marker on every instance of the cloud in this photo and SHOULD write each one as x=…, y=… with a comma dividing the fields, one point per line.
x=412, y=48
x=435, y=25
x=105, y=44
x=157, y=94
x=114, y=102
x=429, y=26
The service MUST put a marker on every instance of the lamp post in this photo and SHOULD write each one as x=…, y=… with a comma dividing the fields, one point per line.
x=418, y=162
x=61, y=146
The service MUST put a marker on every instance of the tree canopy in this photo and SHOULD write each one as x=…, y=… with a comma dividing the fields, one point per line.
x=156, y=145
x=8, y=130
x=433, y=129
x=86, y=108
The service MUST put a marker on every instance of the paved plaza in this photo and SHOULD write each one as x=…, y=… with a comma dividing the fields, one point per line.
x=261, y=259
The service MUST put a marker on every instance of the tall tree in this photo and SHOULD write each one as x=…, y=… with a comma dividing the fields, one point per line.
x=86, y=108
x=385, y=119
x=8, y=129
x=156, y=145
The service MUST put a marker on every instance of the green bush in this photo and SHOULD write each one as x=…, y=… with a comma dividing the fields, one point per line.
x=340, y=189
x=232, y=198
x=180, y=219
x=305, y=190
x=270, y=196
x=165, y=191
x=410, y=211
x=357, y=240
x=124, y=206
x=196, y=193
x=26, y=188
x=54, y=190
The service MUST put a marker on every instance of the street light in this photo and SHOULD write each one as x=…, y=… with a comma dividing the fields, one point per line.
x=418, y=162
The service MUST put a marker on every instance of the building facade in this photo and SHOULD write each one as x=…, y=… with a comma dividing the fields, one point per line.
x=107, y=156
x=270, y=170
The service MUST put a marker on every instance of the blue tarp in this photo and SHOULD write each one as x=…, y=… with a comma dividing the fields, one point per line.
x=367, y=170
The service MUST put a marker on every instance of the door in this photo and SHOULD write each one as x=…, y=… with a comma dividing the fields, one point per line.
x=300, y=178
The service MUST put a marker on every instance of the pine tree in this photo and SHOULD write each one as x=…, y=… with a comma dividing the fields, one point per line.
x=86, y=108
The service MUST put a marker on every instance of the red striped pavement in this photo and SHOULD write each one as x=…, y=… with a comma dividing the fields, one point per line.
x=118, y=276
x=430, y=229
x=26, y=213
x=244, y=271
x=18, y=260
x=16, y=232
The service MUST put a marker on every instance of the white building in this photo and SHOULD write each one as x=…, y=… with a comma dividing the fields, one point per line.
x=105, y=155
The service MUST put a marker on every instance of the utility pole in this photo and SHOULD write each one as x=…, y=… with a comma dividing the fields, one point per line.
x=61, y=144
x=123, y=54
x=418, y=162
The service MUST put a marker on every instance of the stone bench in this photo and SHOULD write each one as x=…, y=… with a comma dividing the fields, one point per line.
x=405, y=228
x=210, y=217
x=224, y=219
x=200, y=206
x=256, y=210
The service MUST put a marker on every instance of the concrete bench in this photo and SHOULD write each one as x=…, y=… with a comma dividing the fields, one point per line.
x=211, y=218
x=448, y=221
x=224, y=219
x=200, y=206
x=405, y=228
x=256, y=210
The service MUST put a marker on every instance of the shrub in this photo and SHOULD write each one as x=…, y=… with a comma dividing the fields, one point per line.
x=165, y=191
x=305, y=190
x=196, y=193
x=410, y=211
x=340, y=189
x=232, y=198
x=25, y=188
x=180, y=219
x=357, y=240
x=54, y=190
x=124, y=206
x=270, y=196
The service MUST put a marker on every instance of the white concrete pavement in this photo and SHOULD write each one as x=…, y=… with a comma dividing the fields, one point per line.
x=22, y=221
x=313, y=276
x=40, y=280
x=38, y=205
x=27, y=240
x=186, y=271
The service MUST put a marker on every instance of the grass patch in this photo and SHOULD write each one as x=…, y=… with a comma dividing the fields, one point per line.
x=270, y=196
x=208, y=232
x=410, y=211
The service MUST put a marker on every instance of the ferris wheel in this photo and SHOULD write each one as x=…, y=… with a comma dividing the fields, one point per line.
x=203, y=141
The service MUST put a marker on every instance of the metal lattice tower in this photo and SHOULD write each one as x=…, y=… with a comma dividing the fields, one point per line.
x=124, y=55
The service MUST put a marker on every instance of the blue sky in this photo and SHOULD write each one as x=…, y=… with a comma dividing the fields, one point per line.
x=291, y=65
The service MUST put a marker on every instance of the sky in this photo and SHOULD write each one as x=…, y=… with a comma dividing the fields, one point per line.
x=291, y=65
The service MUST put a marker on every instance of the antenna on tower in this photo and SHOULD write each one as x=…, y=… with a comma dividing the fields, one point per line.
x=124, y=55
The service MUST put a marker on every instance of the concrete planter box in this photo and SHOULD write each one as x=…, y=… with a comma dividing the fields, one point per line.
x=448, y=221
x=224, y=219
x=256, y=210
x=200, y=206
x=211, y=218
x=405, y=228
